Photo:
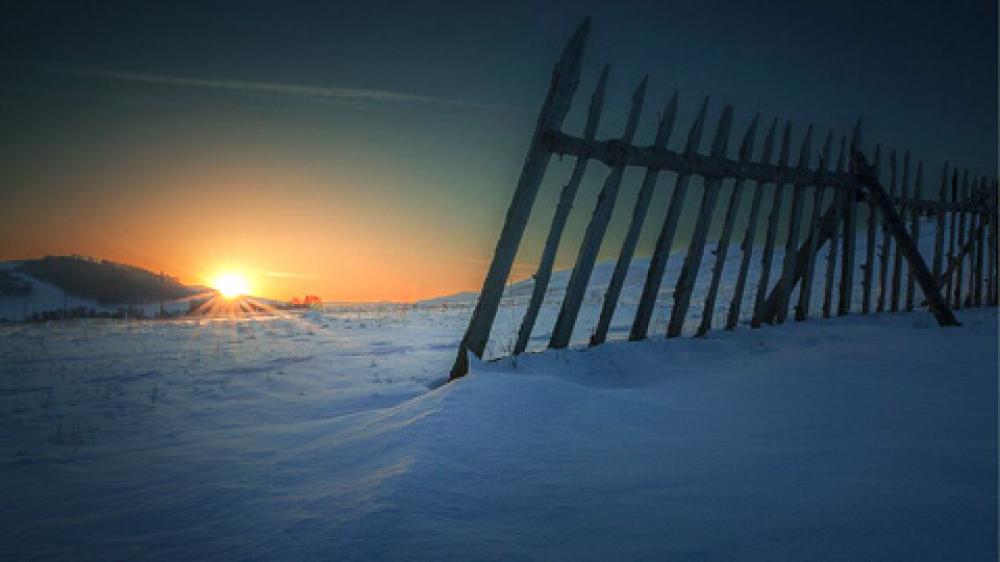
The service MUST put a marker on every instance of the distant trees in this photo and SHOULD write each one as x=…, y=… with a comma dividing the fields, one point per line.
x=107, y=282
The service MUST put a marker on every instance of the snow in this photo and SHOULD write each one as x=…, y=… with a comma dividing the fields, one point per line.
x=318, y=435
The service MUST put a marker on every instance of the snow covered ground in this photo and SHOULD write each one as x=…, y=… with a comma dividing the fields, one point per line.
x=322, y=435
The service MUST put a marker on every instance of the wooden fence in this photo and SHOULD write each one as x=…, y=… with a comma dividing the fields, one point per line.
x=965, y=208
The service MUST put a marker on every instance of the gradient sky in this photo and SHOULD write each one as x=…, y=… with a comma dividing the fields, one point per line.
x=368, y=150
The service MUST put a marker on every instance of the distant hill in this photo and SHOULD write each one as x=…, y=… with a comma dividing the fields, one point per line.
x=106, y=282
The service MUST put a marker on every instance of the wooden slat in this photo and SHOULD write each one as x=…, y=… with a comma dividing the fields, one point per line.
x=639, y=212
x=661, y=252
x=869, y=267
x=786, y=280
x=696, y=249
x=850, y=220
x=733, y=315
x=897, y=263
x=805, y=293
x=980, y=247
x=722, y=250
x=772, y=231
x=911, y=281
x=831, y=260
x=885, y=272
x=939, y=226
x=992, y=276
x=566, y=198
x=576, y=289
x=938, y=305
x=951, y=236
x=960, y=259
x=973, y=247
x=565, y=77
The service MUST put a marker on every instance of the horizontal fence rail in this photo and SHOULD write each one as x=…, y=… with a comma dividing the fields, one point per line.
x=831, y=205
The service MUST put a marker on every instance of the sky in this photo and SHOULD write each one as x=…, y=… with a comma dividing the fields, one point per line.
x=368, y=150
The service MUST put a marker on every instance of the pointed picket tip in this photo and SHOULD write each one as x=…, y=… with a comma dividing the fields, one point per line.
x=570, y=61
x=769, y=141
x=786, y=144
x=806, y=148
x=877, y=159
x=944, y=181
x=856, y=136
x=666, y=128
x=721, y=140
x=633, y=116
x=597, y=104
x=640, y=90
x=694, y=135
x=746, y=145
x=919, y=183
x=842, y=154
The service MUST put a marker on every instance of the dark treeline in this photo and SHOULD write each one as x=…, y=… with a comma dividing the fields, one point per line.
x=107, y=282
x=13, y=286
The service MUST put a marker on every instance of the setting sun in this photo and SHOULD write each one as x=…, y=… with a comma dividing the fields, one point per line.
x=231, y=285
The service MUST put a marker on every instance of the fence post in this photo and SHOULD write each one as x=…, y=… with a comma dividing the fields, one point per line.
x=918, y=189
x=733, y=315
x=772, y=231
x=566, y=198
x=562, y=87
x=745, y=154
x=836, y=208
x=787, y=278
x=869, y=267
x=661, y=252
x=960, y=258
x=639, y=212
x=592, y=238
x=696, y=250
x=850, y=219
x=939, y=228
x=805, y=291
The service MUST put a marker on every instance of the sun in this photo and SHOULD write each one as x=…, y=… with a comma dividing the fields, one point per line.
x=231, y=285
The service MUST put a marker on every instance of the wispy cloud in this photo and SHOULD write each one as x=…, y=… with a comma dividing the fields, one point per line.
x=298, y=91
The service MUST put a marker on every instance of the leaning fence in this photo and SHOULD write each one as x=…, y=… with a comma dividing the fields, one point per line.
x=963, y=269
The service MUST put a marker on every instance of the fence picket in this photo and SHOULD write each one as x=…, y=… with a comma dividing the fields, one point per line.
x=850, y=220
x=836, y=209
x=661, y=252
x=869, y=267
x=772, y=231
x=597, y=227
x=639, y=212
x=566, y=198
x=918, y=188
x=733, y=315
x=722, y=250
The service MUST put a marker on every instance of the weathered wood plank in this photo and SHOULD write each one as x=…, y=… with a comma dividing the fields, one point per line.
x=992, y=278
x=665, y=239
x=951, y=236
x=733, y=315
x=566, y=198
x=939, y=226
x=973, y=246
x=696, y=249
x=850, y=220
x=786, y=280
x=836, y=209
x=772, y=232
x=639, y=212
x=911, y=281
x=565, y=77
x=960, y=259
x=869, y=267
x=722, y=250
x=805, y=293
x=980, y=246
x=576, y=289
x=938, y=305
x=884, y=272
x=897, y=263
